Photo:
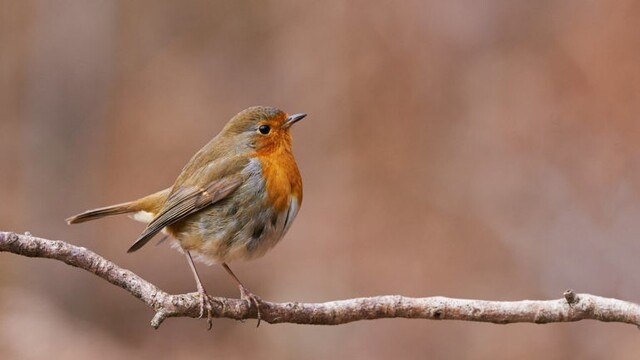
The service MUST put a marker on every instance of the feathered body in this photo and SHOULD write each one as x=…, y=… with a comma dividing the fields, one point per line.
x=257, y=214
x=236, y=197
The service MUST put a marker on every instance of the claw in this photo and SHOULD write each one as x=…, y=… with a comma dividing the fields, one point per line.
x=251, y=300
x=245, y=294
x=205, y=303
x=205, y=300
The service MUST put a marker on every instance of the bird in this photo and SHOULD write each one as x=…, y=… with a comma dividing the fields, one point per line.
x=234, y=199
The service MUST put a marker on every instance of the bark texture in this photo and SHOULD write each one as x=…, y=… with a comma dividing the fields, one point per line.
x=572, y=307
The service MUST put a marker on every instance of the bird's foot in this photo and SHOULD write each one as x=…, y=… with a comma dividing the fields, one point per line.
x=205, y=303
x=251, y=300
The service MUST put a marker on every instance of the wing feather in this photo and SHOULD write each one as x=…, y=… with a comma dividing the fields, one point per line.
x=185, y=201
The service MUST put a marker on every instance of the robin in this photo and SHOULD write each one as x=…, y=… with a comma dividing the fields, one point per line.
x=234, y=200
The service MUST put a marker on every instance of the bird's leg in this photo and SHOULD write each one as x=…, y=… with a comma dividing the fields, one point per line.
x=245, y=294
x=205, y=301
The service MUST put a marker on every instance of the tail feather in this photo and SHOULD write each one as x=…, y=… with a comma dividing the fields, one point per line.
x=151, y=203
x=101, y=212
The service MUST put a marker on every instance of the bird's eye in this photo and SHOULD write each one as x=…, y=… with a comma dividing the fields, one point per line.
x=264, y=129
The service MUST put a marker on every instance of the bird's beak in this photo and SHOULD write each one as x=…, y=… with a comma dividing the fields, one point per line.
x=294, y=119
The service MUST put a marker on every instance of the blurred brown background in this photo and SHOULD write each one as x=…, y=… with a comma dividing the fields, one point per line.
x=462, y=148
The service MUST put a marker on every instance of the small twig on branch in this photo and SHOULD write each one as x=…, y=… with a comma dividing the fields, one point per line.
x=573, y=307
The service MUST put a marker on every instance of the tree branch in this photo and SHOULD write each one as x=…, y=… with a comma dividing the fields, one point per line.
x=573, y=307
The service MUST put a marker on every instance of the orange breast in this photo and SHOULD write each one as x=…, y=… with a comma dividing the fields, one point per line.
x=282, y=178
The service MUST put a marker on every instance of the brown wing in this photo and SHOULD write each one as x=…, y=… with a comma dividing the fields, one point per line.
x=185, y=201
